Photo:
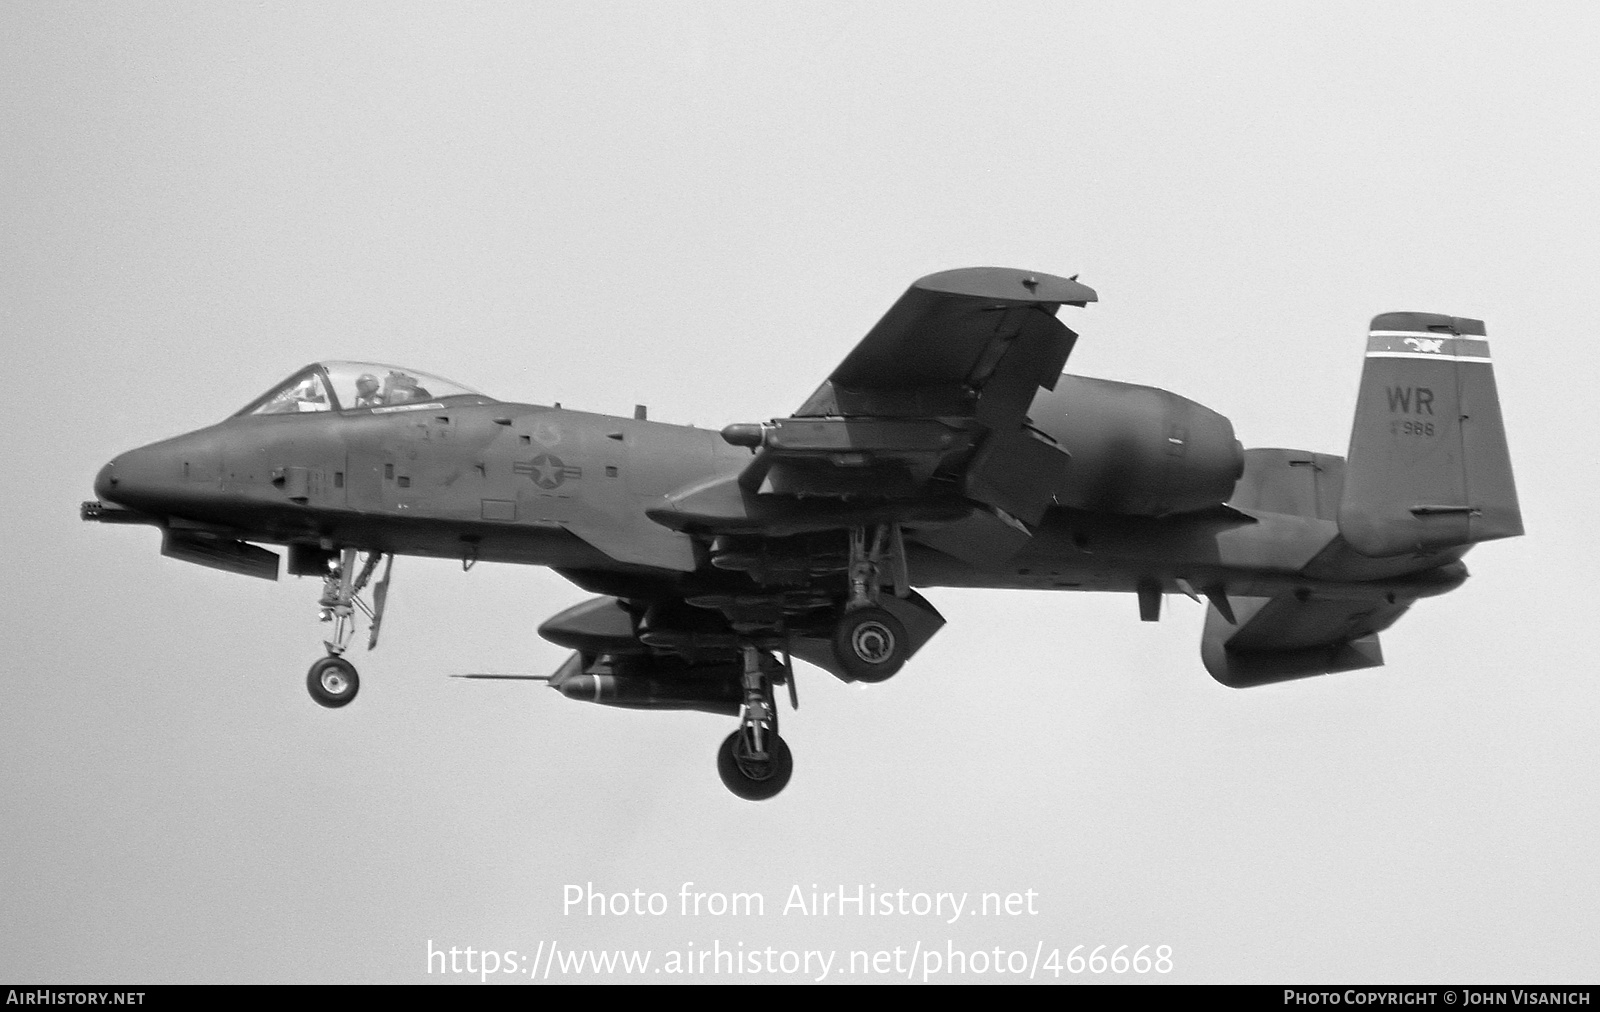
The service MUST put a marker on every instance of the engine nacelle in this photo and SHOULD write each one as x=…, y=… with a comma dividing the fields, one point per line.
x=1137, y=450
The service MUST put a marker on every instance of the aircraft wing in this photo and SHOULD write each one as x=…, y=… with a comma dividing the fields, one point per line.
x=934, y=398
x=977, y=341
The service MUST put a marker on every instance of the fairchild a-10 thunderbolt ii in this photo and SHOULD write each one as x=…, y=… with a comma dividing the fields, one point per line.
x=947, y=450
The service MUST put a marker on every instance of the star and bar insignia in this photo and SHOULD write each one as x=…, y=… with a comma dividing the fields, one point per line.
x=547, y=471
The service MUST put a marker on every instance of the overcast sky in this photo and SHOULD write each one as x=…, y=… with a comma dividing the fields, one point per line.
x=702, y=207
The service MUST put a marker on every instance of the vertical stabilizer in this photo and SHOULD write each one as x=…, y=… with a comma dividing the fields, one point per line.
x=1428, y=467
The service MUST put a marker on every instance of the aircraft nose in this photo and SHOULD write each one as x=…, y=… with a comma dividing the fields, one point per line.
x=141, y=479
x=105, y=483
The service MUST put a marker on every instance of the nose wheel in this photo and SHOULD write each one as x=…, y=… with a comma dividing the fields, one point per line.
x=752, y=773
x=754, y=763
x=333, y=682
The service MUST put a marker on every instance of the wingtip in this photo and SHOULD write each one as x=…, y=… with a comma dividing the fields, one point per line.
x=1009, y=284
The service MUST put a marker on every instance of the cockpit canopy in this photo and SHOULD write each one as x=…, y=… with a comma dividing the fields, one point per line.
x=353, y=386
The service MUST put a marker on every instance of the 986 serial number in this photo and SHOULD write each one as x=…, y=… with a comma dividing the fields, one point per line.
x=1409, y=428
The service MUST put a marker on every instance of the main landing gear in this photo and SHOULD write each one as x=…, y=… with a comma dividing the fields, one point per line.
x=332, y=680
x=754, y=762
x=869, y=643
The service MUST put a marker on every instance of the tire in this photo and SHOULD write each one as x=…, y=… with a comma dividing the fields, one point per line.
x=333, y=682
x=870, y=644
x=751, y=779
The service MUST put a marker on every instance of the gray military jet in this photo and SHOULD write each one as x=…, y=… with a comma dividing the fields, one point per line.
x=947, y=450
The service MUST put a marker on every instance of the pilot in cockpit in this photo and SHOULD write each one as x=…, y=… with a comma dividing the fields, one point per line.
x=309, y=396
x=306, y=395
x=402, y=388
x=367, y=393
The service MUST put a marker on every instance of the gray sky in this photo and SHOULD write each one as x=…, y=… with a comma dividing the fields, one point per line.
x=702, y=207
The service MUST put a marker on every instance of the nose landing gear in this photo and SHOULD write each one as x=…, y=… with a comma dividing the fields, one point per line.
x=751, y=772
x=332, y=680
x=755, y=764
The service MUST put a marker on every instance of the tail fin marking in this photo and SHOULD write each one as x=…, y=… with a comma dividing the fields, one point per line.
x=1428, y=467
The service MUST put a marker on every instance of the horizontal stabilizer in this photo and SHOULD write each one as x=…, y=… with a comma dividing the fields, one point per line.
x=1295, y=636
x=1296, y=482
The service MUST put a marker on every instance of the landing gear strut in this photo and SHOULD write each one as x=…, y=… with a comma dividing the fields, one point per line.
x=869, y=643
x=754, y=762
x=332, y=680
